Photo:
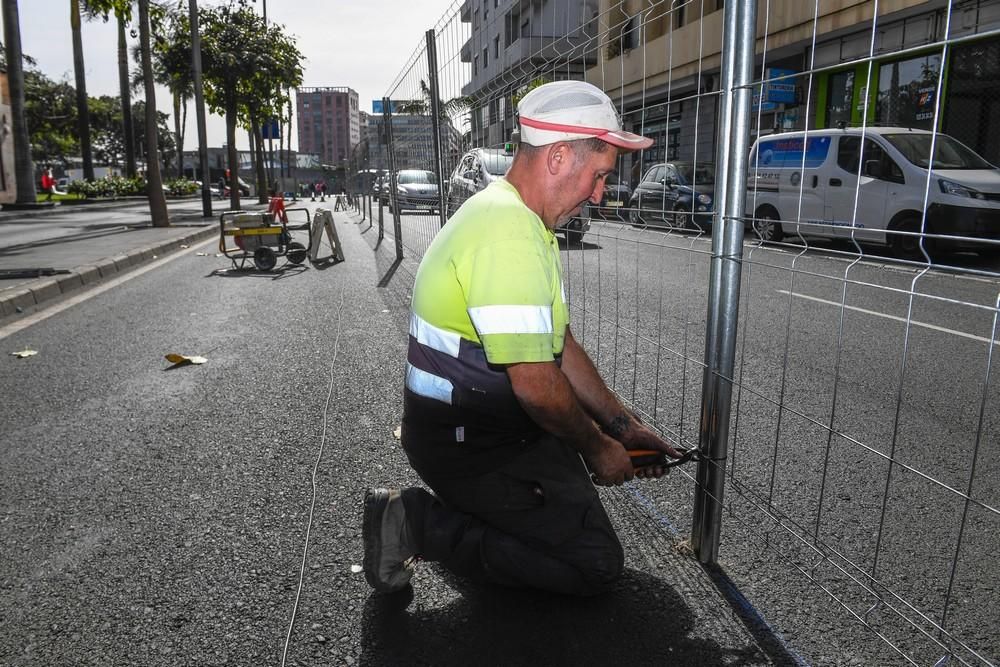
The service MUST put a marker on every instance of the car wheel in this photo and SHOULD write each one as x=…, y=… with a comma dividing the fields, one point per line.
x=767, y=225
x=906, y=246
x=634, y=218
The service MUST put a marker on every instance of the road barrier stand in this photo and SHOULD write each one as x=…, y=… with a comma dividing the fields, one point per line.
x=323, y=221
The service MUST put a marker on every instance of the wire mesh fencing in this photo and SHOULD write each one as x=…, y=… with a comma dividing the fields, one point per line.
x=845, y=187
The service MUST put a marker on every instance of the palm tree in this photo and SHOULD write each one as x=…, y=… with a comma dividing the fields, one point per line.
x=122, y=10
x=126, y=93
x=154, y=181
x=24, y=171
x=82, y=112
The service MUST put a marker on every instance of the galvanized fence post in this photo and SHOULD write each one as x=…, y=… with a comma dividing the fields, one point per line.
x=724, y=287
x=432, y=75
x=397, y=224
x=381, y=217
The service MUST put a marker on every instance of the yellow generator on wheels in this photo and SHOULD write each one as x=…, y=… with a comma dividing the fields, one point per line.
x=258, y=237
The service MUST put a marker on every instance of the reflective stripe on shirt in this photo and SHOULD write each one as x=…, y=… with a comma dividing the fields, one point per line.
x=511, y=319
x=434, y=337
x=428, y=385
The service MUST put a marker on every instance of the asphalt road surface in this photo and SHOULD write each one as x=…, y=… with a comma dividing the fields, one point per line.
x=862, y=495
x=159, y=516
x=210, y=514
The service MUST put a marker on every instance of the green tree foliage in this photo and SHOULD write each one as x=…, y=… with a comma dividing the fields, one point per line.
x=50, y=111
x=171, y=54
x=50, y=114
x=248, y=68
x=122, y=12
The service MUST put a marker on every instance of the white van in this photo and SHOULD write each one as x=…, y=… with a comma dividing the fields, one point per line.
x=808, y=183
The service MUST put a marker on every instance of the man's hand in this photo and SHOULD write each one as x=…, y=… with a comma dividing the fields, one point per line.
x=609, y=462
x=633, y=434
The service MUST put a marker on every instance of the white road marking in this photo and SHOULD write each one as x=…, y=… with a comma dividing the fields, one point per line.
x=915, y=323
x=85, y=294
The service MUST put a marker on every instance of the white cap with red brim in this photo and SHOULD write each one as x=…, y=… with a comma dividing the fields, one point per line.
x=573, y=110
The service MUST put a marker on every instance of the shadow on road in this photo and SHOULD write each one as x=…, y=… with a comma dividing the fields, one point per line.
x=644, y=621
x=285, y=271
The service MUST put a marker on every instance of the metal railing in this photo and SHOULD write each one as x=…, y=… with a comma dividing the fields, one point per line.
x=818, y=313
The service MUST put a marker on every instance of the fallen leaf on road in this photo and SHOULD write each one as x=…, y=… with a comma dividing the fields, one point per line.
x=201, y=254
x=356, y=568
x=184, y=246
x=24, y=353
x=179, y=359
x=398, y=433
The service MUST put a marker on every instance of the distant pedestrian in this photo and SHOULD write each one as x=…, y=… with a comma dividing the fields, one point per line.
x=276, y=207
x=48, y=183
x=322, y=191
x=312, y=191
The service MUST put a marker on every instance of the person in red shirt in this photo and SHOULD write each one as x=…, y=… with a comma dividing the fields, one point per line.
x=48, y=183
x=276, y=207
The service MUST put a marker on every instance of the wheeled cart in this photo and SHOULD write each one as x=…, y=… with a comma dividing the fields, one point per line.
x=256, y=236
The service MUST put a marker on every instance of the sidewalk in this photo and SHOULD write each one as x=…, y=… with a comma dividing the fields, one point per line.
x=52, y=266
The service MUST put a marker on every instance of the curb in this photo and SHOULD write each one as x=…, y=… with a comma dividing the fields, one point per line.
x=16, y=300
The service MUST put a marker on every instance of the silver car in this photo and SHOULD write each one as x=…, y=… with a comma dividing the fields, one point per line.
x=477, y=169
x=416, y=189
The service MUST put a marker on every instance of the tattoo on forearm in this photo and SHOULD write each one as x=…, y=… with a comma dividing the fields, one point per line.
x=618, y=425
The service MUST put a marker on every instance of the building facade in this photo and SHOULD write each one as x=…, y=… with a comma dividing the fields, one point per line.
x=511, y=41
x=328, y=123
x=665, y=76
x=412, y=140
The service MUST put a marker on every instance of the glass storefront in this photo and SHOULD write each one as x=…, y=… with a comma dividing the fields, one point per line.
x=907, y=92
x=972, y=103
x=840, y=96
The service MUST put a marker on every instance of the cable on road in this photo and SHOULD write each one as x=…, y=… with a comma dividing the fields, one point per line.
x=312, y=504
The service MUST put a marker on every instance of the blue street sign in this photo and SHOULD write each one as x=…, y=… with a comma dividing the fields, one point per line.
x=271, y=129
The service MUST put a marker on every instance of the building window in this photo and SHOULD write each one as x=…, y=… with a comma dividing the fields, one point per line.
x=678, y=17
x=496, y=47
x=486, y=58
x=628, y=37
x=839, y=98
x=475, y=65
x=907, y=92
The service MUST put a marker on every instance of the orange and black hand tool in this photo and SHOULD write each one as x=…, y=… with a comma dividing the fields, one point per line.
x=643, y=458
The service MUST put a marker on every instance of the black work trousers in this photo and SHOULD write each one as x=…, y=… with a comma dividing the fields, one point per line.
x=534, y=522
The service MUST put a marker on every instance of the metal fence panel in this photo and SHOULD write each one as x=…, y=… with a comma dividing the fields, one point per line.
x=860, y=501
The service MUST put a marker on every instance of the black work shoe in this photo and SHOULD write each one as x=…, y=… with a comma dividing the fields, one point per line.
x=390, y=552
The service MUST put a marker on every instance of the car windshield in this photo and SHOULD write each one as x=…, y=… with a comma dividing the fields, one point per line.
x=948, y=153
x=497, y=163
x=417, y=177
x=701, y=175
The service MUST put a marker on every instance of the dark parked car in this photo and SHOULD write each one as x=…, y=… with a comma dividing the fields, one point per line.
x=416, y=189
x=678, y=195
x=477, y=169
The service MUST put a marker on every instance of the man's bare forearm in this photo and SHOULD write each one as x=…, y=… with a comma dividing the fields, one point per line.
x=546, y=394
x=590, y=389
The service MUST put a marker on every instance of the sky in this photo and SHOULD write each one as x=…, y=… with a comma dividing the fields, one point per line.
x=362, y=44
